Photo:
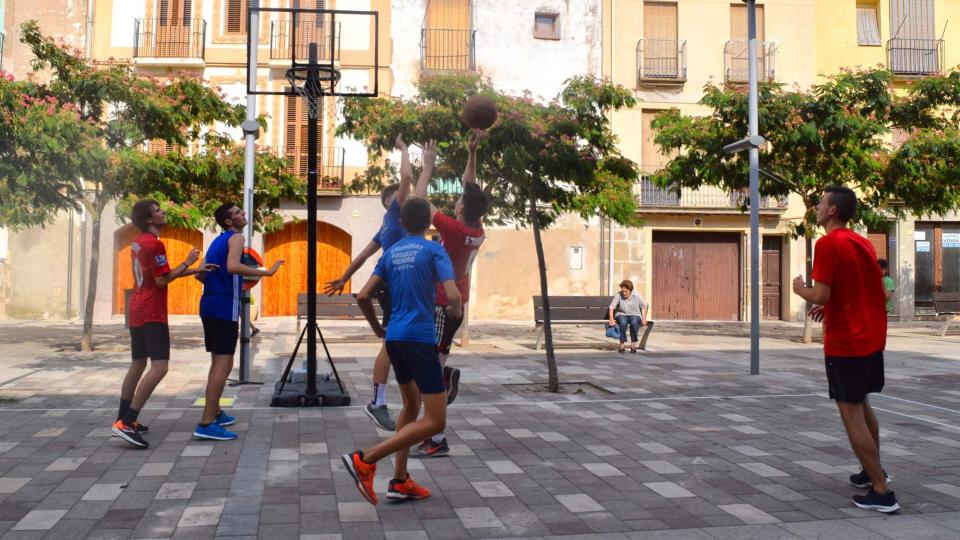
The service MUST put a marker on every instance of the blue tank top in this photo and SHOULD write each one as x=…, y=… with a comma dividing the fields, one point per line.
x=221, y=289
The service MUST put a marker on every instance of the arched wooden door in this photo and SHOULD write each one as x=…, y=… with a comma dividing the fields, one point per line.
x=183, y=296
x=290, y=244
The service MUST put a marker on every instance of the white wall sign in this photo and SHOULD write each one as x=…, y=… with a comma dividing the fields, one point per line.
x=950, y=240
x=923, y=247
x=920, y=235
x=576, y=257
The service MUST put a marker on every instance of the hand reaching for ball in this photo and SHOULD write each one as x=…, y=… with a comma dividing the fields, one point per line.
x=429, y=153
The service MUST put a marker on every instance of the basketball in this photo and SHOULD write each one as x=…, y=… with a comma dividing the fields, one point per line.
x=252, y=259
x=480, y=112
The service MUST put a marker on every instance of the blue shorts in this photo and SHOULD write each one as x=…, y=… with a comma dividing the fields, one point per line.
x=420, y=362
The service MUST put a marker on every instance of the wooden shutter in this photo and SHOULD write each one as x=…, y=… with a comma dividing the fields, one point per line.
x=295, y=135
x=659, y=20
x=738, y=22
x=173, y=28
x=236, y=16
x=651, y=160
x=448, y=14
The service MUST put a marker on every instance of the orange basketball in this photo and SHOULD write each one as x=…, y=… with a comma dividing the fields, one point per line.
x=480, y=112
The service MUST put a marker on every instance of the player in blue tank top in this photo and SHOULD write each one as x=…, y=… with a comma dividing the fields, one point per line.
x=411, y=269
x=220, y=313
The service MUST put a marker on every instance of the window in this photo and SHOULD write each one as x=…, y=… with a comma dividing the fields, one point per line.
x=295, y=137
x=545, y=26
x=236, y=16
x=868, y=25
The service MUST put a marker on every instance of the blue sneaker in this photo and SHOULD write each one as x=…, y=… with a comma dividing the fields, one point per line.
x=213, y=432
x=223, y=419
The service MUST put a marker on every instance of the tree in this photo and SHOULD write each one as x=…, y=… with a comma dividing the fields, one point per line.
x=79, y=140
x=831, y=134
x=539, y=160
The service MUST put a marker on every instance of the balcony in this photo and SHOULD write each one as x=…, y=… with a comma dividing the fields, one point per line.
x=908, y=57
x=736, y=61
x=283, y=48
x=447, y=50
x=707, y=198
x=661, y=62
x=170, y=42
x=331, y=171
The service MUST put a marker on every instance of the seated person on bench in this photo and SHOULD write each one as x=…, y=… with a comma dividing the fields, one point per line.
x=628, y=308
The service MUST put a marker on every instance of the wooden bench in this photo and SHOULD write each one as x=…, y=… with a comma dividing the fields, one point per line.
x=947, y=307
x=338, y=306
x=578, y=310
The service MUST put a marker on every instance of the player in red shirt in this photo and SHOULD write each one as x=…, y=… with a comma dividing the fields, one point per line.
x=849, y=296
x=147, y=317
x=461, y=236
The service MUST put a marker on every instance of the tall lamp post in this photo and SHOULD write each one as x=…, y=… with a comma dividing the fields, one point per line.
x=752, y=143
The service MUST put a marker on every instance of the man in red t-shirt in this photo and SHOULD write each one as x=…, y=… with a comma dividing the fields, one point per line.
x=849, y=296
x=147, y=317
x=461, y=237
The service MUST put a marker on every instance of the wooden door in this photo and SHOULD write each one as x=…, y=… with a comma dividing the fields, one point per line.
x=770, y=265
x=290, y=244
x=880, y=241
x=310, y=29
x=696, y=276
x=447, y=35
x=183, y=295
x=173, y=28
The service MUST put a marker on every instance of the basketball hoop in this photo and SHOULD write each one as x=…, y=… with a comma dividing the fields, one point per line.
x=312, y=83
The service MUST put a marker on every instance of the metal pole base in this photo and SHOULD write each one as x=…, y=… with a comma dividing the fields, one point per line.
x=329, y=392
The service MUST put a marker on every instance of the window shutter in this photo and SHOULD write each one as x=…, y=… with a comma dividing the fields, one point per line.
x=660, y=20
x=295, y=137
x=236, y=16
x=738, y=22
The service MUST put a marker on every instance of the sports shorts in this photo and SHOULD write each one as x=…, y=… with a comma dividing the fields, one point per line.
x=851, y=378
x=152, y=340
x=419, y=362
x=220, y=335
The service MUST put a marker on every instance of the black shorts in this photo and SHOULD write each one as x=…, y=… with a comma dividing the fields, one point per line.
x=851, y=378
x=383, y=298
x=152, y=340
x=220, y=335
x=414, y=361
x=446, y=327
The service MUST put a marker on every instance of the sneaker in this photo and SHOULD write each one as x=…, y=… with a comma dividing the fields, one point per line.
x=140, y=427
x=428, y=449
x=129, y=434
x=213, y=432
x=362, y=474
x=223, y=419
x=380, y=415
x=862, y=479
x=886, y=503
x=406, y=490
x=451, y=379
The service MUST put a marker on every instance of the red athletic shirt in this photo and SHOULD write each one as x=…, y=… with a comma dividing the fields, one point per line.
x=462, y=243
x=149, y=301
x=855, y=317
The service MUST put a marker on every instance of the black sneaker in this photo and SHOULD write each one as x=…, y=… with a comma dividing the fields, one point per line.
x=862, y=479
x=429, y=449
x=129, y=434
x=451, y=377
x=140, y=427
x=886, y=503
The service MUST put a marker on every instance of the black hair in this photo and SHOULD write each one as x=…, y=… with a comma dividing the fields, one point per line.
x=415, y=215
x=883, y=264
x=475, y=202
x=845, y=201
x=142, y=212
x=222, y=214
x=387, y=192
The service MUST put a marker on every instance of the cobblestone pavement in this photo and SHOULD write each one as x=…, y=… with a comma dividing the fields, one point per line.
x=674, y=443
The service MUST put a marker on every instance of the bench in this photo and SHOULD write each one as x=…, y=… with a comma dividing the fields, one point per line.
x=578, y=310
x=338, y=306
x=947, y=307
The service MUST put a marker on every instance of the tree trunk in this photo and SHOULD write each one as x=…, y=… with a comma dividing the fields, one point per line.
x=553, y=380
x=807, y=321
x=96, y=212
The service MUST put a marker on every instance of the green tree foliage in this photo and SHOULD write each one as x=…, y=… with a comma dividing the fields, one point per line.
x=79, y=140
x=539, y=160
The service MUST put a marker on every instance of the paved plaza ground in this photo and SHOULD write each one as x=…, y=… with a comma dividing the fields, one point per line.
x=677, y=442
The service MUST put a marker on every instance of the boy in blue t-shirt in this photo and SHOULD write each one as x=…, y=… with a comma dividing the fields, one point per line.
x=411, y=270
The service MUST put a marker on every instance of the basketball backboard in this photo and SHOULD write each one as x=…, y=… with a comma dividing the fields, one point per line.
x=347, y=44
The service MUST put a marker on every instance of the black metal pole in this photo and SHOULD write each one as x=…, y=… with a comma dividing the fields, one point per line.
x=312, y=231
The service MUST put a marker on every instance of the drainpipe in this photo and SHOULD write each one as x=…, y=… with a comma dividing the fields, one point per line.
x=610, y=226
x=69, y=266
x=88, y=39
x=613, y=79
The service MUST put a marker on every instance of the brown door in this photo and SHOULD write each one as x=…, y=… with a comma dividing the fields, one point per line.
x=290, y=244
x=447, y=35
x=880, y=242
x=771, y=276
x=173, y=28
x=183, y=295
x=696, y=276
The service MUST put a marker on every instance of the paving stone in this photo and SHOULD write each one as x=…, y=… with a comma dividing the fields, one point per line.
x=103, y=492
x=39, y=520
x=357, y=511
x=200, y=516
x=478, y=518
x=579, y=503
x=11, y=485
x=668, y=490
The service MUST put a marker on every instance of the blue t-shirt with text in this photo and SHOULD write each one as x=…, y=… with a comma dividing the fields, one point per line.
x=411, y=268
x=390, y=231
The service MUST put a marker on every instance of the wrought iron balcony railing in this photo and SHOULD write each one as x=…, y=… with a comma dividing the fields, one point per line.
x=915, y=57
x=661, y=61
x=707, y=197
x=331, y=167
x=169, y=38
x=308, y=31
x=444, y=49
x=736, y=61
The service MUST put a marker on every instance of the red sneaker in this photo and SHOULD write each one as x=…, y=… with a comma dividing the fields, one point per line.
x=406, y=490
x=362, y=474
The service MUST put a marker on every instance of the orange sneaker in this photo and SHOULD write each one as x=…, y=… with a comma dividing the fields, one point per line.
x=362, y=474
x=406, y=490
